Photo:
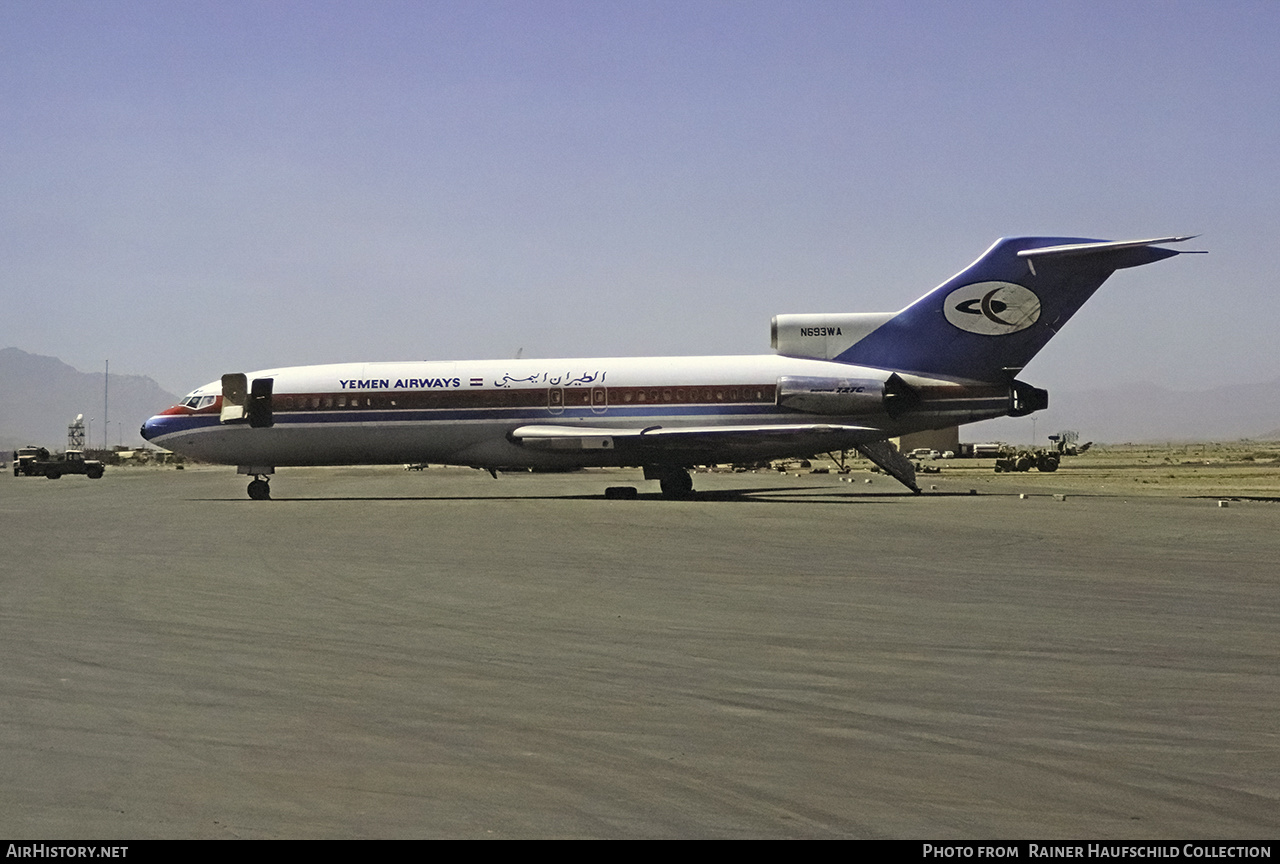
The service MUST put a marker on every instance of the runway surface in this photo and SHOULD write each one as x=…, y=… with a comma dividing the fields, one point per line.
x=381, y=653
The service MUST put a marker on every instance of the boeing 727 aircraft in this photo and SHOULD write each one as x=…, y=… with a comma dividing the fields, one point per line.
x=835, y=382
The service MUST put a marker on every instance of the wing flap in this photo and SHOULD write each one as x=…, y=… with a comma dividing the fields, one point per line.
x=568, y=437
x=546, y=437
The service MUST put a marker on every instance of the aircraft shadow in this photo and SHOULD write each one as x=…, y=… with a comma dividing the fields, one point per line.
x=759, y=495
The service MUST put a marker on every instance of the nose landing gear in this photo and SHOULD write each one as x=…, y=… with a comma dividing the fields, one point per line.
x=259, y=486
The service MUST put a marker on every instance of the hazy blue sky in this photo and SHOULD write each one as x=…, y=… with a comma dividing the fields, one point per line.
x=195, y=188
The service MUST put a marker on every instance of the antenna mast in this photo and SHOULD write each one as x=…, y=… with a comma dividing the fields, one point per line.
x=75, y=434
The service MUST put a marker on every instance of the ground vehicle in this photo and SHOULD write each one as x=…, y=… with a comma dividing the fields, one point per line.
x=981, y=451
x=1024, y=460
x=38, y=462
x=1042, y=458
x=1065, y=443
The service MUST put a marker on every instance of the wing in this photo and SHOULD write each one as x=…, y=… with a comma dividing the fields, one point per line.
x=724, y=443
x=731, y=440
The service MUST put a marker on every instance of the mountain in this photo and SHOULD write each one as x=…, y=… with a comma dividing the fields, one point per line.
x=41, y=396
x=1148, y=413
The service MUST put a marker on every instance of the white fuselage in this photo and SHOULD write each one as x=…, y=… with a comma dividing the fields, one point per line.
x=465, y=412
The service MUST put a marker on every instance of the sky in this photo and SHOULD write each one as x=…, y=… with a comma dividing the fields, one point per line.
x=196, y=188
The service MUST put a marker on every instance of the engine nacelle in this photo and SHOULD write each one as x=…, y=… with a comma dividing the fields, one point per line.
x=823, y=337
x=1025, y=399
x=845, y=396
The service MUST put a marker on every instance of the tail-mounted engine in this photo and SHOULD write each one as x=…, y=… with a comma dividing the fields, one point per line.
x=822, y=337
x=1024, y=399
x=846, y=396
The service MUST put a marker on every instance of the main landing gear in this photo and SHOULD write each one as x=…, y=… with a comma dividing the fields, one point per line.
x=674, y=480
x=260, y=488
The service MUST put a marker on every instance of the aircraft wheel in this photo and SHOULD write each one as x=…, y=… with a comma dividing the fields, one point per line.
x=260, y=490
x=676, y=484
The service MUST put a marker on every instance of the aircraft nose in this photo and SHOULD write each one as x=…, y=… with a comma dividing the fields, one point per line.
x=150, y=428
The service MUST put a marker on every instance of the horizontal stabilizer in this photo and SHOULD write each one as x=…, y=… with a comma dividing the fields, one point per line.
x=1118, y=254
x=1073, y=249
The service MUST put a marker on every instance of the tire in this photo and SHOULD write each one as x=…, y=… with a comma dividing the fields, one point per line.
x=53, y=475
x=94, y=474
x=677, y=484
x=260, y=490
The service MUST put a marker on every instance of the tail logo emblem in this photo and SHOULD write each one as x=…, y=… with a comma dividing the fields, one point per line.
x=992, y=308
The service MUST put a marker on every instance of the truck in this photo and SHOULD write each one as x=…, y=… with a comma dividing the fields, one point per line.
x=1024, y=460
x=38, y=462
x=1041, y=458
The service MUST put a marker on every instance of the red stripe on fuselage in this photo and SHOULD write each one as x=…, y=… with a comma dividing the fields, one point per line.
x=183, y=410
x=531, y=397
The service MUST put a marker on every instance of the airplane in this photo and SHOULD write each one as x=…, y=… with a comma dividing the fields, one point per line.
x=834, y=382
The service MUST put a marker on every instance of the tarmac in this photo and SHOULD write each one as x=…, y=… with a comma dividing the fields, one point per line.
x=378, y=653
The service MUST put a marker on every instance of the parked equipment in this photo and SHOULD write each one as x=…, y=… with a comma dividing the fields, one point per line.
x=38, y=462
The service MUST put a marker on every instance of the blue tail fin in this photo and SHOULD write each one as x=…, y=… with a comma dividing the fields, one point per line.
x=988, y=321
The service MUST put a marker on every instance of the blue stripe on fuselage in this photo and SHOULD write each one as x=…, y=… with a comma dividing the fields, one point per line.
x=169, y=424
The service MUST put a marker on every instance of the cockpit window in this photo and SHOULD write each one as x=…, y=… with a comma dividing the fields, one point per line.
x=198, y=402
